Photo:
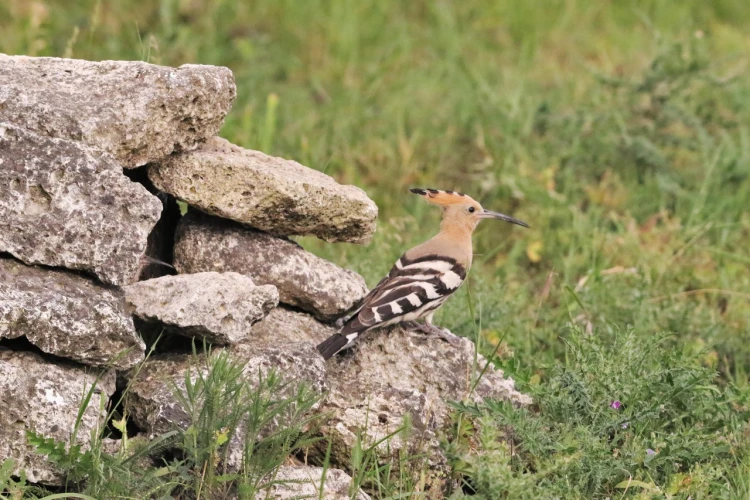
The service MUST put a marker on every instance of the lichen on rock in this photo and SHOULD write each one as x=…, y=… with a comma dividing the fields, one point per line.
x=315, y=285
x=67, y=315
x=392, y=376
x=275, y=195
x=44, y=396
x=285, y=325
x=219, y=307
x=295, y=482
x=68, y=205
x=136, y=111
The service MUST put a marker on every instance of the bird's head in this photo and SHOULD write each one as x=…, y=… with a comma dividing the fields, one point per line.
x=460, y=210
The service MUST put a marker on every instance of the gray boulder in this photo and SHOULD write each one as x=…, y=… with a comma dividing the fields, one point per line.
x=67, y=315
x=284, y=325
x=205, y=243
x=391, y=376
x=136, y=111
x=65, y=204
x=44, y=397
x=272, y=194
x=220, y=307
x=295, y=482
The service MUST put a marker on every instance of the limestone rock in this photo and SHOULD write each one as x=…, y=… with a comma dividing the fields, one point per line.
x=136, y=111
x=205, y=243
x=391, y=374
x=44, y=397
x=284, y=325
x=67, y=315
x=220, y=307
x=65, y=204
x=294, y=482
x=154, y=408
x=272, y=194
x=297, y=362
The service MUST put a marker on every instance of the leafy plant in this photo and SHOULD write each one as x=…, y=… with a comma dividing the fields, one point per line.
x=255, y=422
x=15, y=488
x=250, y=427
x=397, y=477
x=615, y=419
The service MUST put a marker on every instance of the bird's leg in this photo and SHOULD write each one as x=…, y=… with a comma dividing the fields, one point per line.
x=433, y=331
x=410, y=326
x=436, y=331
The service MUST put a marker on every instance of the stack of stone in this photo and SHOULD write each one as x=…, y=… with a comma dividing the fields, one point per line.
x=92, y=159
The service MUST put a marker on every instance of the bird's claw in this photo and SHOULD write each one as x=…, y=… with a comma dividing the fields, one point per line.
x=447, y=336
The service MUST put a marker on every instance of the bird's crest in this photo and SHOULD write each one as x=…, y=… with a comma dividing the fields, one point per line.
x=441, y=197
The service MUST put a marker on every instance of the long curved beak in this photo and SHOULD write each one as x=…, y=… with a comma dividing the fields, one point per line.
x=488, y=214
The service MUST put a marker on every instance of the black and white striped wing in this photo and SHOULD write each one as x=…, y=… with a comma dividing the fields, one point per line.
x=411, y=291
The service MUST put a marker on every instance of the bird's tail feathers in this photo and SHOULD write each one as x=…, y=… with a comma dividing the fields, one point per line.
x=333, y=344
x=341, y=340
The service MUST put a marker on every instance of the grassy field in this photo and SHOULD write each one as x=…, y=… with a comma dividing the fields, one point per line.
x=617, y=130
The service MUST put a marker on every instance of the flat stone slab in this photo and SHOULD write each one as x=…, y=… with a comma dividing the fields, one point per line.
x=284, y=325
x=136, y=111
x=67, y=315
x=205, y=243
x=275, y=195
x=67, y=205
x=220, y=307
x=44, y=397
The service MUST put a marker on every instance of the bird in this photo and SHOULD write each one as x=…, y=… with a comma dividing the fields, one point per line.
x=422, y=278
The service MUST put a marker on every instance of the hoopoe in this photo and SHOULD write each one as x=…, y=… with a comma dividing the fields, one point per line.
x=423, y=278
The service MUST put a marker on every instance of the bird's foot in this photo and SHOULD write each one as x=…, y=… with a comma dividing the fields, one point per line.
x=413, y=327
x=447, y=336
x=433, y=331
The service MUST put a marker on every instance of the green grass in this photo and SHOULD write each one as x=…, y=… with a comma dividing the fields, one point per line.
x=225, y=413
x=622, y=415
x=617, y=130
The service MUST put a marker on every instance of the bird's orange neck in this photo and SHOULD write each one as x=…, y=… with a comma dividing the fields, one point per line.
x=456, y=239
x=457, y=231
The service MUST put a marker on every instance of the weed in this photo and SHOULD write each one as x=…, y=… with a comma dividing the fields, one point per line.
x=241, y=429
x=239, y=433
x=628, y=415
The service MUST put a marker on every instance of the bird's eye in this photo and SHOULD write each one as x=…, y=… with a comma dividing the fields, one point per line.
x=471, y=210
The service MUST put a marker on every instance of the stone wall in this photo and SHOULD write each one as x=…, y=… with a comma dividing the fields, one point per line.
x=93, y=156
